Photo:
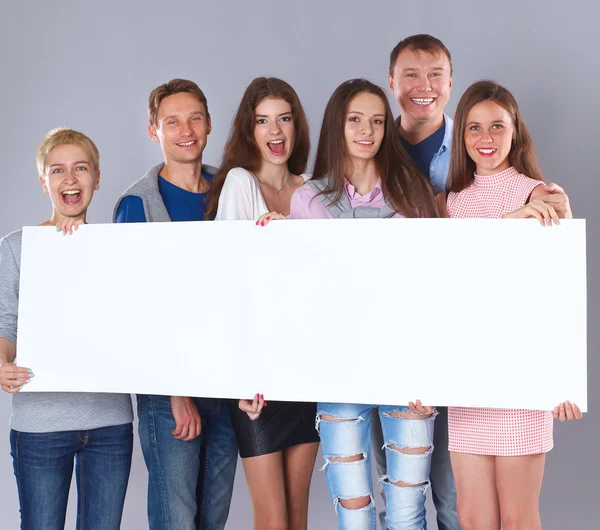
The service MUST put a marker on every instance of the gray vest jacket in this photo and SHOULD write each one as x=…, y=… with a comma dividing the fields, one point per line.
x=146, y=189
x=342, y=209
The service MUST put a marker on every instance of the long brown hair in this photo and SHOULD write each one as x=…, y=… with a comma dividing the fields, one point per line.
x=522, y=153
x=241, y=149
x=405, y=189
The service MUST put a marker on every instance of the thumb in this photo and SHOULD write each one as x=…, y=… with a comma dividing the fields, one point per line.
x=552, y=187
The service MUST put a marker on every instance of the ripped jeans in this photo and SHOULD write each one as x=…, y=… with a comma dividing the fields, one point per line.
x=408, y=443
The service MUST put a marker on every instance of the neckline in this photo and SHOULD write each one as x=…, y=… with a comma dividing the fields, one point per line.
x=486, y=181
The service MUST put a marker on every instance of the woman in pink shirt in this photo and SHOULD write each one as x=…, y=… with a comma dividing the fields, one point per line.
x=361, y=170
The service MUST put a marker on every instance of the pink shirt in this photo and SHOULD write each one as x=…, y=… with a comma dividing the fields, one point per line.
x=302, y=205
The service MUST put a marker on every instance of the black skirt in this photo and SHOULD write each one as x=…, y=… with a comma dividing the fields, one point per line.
x=281, y=425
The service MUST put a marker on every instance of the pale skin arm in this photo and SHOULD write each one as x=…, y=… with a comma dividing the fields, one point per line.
x=12, y=377
x=553, y=195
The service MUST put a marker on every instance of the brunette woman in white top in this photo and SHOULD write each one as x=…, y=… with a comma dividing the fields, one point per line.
x=262, y=165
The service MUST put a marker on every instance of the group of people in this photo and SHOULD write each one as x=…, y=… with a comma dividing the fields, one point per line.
x=484, y=466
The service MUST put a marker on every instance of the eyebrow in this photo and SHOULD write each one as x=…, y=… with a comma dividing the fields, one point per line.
x=362, y=113
x=173, y=116
x=74, y=163
x=279, y=116
x=478, y=123
x=414, y=69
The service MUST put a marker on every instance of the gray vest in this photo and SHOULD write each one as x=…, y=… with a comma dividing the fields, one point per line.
x=342, y=208
x=146, y=189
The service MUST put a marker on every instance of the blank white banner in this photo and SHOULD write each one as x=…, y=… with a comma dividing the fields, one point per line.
x=464, y=312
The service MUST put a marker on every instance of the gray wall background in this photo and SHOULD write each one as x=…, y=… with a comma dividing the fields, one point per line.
x=91, y=66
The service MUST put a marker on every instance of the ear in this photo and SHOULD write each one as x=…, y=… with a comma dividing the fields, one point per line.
x=209, y=122
x=391, y=82
x=152, y=133
x=44, y=185
x=97, y=186
x=450, y=84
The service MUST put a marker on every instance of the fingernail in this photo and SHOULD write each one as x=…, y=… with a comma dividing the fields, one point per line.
x=57, y=228
x=256, y=223
x=262, y=224
x=265, y=404
x=28, y=380
x=262, y=396
x=268, y=217
x=29, y=371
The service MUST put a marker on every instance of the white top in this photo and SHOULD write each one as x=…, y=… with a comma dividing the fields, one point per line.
x=241, y=197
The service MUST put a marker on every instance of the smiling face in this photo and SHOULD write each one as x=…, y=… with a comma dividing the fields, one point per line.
x=70, y=178
x=365, y=126
x=182, y=127
x=489, y=132
x=274, y=131
x=421, y=83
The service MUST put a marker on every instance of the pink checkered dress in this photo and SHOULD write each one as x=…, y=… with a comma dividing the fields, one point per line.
x=499, y=432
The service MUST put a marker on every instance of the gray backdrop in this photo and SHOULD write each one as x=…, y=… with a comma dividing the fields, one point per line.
x=91, y=66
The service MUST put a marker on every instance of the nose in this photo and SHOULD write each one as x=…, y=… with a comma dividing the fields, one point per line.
x=424, y=84
x=275, y=127
x=186, y=128
x=70, y=177
x=486, y=137
x=367, y=128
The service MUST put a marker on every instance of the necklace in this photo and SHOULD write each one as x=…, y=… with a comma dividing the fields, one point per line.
x=273, y=187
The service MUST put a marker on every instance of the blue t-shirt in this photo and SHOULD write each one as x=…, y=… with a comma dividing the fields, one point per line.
x=182, y=205
x=422, y=153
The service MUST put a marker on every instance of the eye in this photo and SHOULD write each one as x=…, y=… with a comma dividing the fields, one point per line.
x=261, y=121
x=286, y=118
x=196, y=118
x=411, y=75
x=81, y=168
x=497, y=127
x=378, y=121
x=57, y=170
x=474, y=128
x=171, y=122
x=353, y=118
x=435, y=74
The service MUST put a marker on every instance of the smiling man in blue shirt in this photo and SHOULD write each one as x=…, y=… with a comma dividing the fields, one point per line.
x=188, y=443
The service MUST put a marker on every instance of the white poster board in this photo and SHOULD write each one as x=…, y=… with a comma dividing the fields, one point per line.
x=488, y=313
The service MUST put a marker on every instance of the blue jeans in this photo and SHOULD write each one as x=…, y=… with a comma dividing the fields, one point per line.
x=443, y=488
x=43, y=465
x=190, y=483
x=351, y=480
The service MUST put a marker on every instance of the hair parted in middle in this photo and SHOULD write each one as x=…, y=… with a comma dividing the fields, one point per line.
x=405, y=189
x=241, y=149
x=522, y=153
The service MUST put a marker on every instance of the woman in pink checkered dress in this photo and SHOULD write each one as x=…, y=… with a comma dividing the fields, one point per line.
x=498, y=455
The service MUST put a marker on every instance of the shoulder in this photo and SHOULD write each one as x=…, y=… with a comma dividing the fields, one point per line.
x=525, y=182
x=12, y=242
x=241, y=177
x=149, y=180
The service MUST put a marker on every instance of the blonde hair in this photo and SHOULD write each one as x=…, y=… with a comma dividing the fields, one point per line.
x=64, y=136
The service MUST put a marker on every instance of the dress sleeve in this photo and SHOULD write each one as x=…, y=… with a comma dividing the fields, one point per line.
x=9, y=291
x=235, y=201
x=131, y=210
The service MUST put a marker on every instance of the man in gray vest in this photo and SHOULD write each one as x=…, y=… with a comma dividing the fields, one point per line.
x=188, y=443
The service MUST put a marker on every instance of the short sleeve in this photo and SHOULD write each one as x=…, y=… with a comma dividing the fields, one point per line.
x=131, y=210
x=9, y=291
x=235, y=201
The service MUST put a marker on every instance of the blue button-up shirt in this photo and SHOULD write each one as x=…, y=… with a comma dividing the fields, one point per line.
x=440, y=163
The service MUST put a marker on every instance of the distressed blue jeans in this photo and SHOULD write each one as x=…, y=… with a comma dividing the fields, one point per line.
x=443, y=488
x=43, y=465
x=351, y=436
x=190, y=483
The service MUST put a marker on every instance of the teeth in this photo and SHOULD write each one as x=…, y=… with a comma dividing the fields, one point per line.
x=364, y=143
x=187, y=143
x=71, y=192
x=487, y=151
x=423, y=101
x=276, y=142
